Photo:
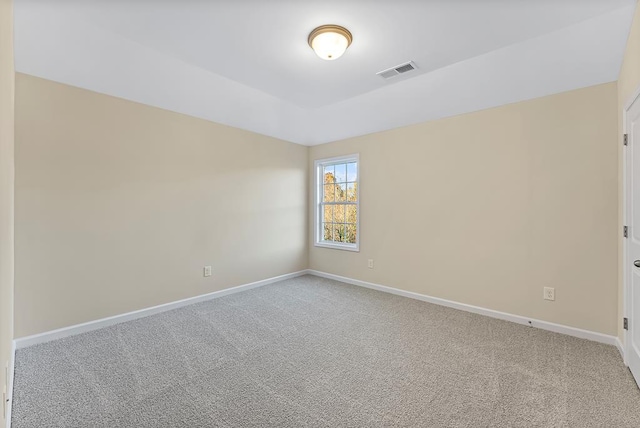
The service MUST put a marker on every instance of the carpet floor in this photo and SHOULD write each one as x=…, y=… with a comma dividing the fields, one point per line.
x=315, y=352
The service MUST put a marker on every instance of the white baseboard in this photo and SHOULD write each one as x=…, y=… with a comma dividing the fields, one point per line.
x=544, y=325
x=24, y=342
x=35, y=339
x=12, y=360
x=620, y=347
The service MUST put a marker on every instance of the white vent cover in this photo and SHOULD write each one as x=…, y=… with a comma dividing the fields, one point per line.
x=397, y=70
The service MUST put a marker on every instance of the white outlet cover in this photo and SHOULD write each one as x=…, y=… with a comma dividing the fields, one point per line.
x=549, y=293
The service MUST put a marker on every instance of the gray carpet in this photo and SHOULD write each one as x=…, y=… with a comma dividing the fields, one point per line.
x=315, y=352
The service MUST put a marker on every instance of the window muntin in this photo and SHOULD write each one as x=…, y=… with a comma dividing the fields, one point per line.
x=337, y=213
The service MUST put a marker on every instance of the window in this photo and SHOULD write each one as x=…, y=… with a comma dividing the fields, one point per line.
x=337, y=203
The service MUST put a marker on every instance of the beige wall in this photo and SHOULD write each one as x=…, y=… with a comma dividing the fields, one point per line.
x=6, y=188
x=490, y=207
x=120, y=205
x=628, y=84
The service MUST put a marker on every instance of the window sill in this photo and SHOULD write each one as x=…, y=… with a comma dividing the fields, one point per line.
x=335, y=246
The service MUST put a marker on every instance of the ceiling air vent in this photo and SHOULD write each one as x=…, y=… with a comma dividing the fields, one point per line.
x=397, y=70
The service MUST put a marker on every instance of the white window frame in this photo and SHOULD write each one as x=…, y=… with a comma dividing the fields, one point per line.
x=318, y=165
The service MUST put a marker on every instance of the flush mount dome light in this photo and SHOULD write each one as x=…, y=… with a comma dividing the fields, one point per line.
x=330, y=41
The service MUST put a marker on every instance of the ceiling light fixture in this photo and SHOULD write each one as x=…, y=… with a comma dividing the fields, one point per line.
x=330, y=41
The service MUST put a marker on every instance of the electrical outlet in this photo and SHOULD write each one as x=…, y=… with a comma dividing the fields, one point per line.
x=207, y=271
x=549, y=293
x=370, y=263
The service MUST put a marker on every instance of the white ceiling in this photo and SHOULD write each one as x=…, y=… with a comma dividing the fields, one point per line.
x=247, y=63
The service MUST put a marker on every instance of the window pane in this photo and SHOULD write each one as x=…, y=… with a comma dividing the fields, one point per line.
x=338, y=213
x=327, y=230
x=327, y=213
x=339, y=233
x=341, y=192
x=329, y=193
x=351, y=233
x=352, y=172
x=351, y=215
x=329, y=174
x=341, y=173
x=352, y=192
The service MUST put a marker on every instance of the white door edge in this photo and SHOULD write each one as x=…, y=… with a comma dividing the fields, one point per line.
x=626, y=198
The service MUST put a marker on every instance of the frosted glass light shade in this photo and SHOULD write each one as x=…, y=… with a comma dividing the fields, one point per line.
x=330, y=41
